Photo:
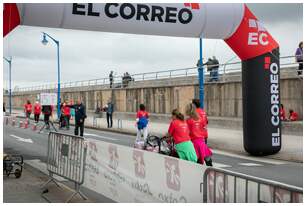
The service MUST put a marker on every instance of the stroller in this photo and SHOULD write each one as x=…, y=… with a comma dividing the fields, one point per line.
x=165, y=146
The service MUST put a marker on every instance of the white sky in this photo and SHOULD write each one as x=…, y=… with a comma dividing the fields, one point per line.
x=91, y=55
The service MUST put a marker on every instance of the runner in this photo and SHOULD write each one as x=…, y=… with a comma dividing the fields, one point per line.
x=179, y=131
x=142, y=120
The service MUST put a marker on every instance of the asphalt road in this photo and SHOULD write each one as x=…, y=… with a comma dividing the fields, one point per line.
x=34, y=146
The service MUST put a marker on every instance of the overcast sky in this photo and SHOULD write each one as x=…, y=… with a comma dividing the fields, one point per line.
x=90, y=55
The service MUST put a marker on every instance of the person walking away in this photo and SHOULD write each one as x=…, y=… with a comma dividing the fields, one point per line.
x=111, y=78
x=282, y=113
x=66, y=112
x=299, y=58
x=142, y=120
x=293, y=116
x=215, y=69
x=109, y=114
x=37, y=111
x=179, y=132
x=202, y=114
x=47, y=111
x=197, y=133
x=28, y=109
x=80, y=116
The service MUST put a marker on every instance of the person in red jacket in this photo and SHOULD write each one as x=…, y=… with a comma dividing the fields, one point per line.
x=202, y=115
x=179, y=132
x=197, y=134
x=282, y=113
x=293, y=116
x=28, y=109
x=37, y=111
x=66, y=112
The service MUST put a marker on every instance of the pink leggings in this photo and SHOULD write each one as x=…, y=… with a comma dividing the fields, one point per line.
x=201, y=149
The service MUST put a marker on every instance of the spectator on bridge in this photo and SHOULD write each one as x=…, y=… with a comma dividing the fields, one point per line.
x=201, y=112
x=215, y=69
x=142, y=120
x=111, y=78
x=47, y=111
x=299, y=58
x=80, y=116
x=109, y=109
x=37, y=111
x=66, y=112
x=293, y=116
x=197, y=133
x=28, y=109
x=179, y=132
x=282, y=113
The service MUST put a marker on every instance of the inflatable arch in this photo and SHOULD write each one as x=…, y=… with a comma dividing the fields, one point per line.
x=234, y=23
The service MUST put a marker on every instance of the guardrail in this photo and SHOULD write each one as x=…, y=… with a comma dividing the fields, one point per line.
x=66, y=157
x=225, y=186
x=224, y=70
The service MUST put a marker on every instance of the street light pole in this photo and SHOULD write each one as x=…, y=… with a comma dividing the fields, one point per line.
x=45, y=41
x=10, y=81
x=201, y=76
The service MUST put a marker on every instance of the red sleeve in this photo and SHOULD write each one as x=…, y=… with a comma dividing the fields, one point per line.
x=188, y=121
x=171, y=128
x=147, y=115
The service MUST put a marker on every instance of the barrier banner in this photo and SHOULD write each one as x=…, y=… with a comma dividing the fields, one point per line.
x=48, y=98
x=125, y=174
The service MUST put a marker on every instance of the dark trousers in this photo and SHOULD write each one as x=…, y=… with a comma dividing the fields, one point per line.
x=300, y=71
x=28, y=114
x=46, y=119
x=36, y=117
x=109, y=118
x=67, y=119
x=79, y=124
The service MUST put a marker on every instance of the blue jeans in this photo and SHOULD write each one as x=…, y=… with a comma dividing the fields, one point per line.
x=214, y=75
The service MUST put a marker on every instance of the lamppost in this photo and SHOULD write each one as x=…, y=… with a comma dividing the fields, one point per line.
x=10, y=81
x=44, y=42
x=201, y=76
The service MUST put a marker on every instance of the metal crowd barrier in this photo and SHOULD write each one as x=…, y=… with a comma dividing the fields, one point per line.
x=66, y=157
x=225, y=186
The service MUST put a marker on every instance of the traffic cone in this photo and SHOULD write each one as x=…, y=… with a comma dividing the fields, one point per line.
x=26, y=124
x=34, y=127
x=20, y=124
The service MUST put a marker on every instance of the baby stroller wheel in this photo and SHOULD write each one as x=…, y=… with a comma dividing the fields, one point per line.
x=17, y=173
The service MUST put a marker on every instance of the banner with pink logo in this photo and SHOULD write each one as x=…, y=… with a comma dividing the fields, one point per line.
x=125, y=174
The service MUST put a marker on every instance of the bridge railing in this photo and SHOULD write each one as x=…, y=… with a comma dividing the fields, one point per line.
x=226, y=69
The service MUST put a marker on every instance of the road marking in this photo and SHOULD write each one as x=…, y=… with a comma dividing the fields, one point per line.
x=220, y=165
x=249, y=164
x=257, y=159
x=22, y=139
x=103, y=137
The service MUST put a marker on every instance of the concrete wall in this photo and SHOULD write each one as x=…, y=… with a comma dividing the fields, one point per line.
x=222, y=99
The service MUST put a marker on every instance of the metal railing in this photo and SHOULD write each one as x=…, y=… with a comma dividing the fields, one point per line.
x=224, y=69
x=225, y=186
x=66, y=156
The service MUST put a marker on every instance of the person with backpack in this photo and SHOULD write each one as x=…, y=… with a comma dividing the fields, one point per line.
x=142, y=120
x=197, y=133
x=109, y=109
x=28, y=109
x=179, y=132
x=37, y=111
x=47, y=111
